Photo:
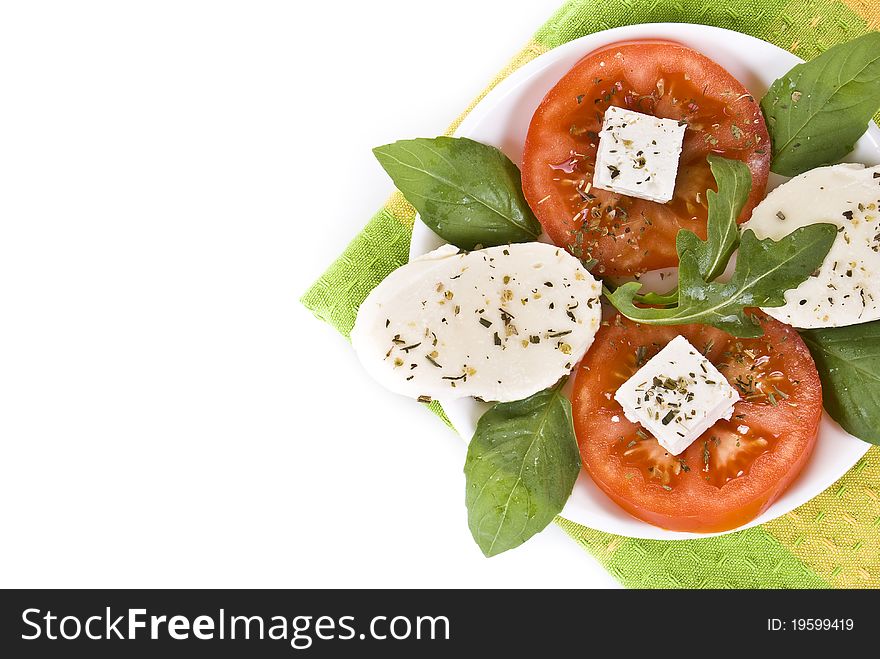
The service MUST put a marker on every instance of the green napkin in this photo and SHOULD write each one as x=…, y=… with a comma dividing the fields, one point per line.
x=832, y=541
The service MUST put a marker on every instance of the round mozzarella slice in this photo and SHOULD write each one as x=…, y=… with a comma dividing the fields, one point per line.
x=500, y=323
x=846, y=289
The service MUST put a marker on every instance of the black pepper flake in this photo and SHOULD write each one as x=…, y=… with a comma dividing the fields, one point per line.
x=485, y=323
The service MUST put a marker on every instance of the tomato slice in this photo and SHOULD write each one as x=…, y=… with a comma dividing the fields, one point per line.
x=737, y=468
x=626, y=235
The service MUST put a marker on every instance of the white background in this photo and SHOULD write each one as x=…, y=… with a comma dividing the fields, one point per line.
x=173, y=175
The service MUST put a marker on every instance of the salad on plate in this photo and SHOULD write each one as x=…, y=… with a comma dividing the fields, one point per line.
x=633, y=303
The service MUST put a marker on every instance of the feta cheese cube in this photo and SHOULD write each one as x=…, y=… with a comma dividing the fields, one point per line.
x=638, y=155
x=677, y=395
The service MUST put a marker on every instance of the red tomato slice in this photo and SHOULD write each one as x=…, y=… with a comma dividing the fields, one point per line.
x=627, y=235
x=737, y=468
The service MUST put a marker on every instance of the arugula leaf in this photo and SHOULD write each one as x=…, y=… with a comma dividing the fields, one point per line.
x=734, y=181
x=848, y=360
x=765, y=269
x=521, y=467
x=468, y=193
x=817, y=111
x=722, y=232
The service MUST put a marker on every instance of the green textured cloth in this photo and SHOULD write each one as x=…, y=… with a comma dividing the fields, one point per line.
x=832, y=541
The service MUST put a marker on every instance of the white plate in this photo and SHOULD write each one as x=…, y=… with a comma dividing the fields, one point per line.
x=502, y=119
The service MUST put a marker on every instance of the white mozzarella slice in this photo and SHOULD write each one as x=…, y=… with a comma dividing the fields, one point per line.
x=638, y=154
x=500, y=323
x=846, y=289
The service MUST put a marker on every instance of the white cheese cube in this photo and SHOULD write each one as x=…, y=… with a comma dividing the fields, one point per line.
x=677, y=395
x=638, y=155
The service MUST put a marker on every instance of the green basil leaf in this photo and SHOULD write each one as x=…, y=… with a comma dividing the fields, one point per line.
x=765, y=269
x=521, y=467
x=848, y=360
x=817, y=111
x=468, y=193
x=734, y=181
